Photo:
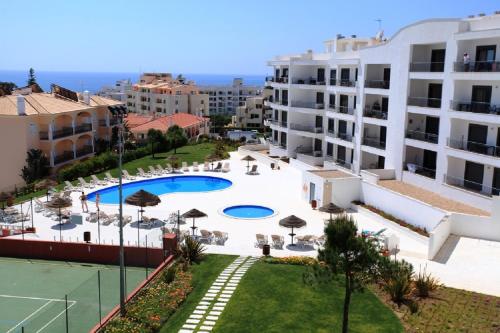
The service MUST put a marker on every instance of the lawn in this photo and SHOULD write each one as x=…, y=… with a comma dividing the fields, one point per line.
x=273, y=298
x=189, y=153
x=204, y=274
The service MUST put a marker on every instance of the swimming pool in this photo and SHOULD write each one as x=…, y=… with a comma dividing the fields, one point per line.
x=163, y=185
x=248, y=211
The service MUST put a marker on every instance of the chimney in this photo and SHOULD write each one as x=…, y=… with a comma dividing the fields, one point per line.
x=21, y=106
x=86, y=97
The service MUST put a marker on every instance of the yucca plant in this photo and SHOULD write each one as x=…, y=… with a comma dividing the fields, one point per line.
x=191, y=250
x=169, y=274
x=425, y=283
x=396, y=279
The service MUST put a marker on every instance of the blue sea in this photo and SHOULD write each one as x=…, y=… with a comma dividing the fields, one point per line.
x=94, y=81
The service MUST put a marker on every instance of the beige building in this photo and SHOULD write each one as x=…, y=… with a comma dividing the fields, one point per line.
x=160, y=94
x=64, y=126
x=253, y=113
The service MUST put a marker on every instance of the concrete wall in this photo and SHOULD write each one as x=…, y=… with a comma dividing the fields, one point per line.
x=345, y=191
x=438, y=237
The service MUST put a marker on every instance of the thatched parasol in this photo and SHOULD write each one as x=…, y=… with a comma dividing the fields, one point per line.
x=194, y=213
x=292, y=221
x=142, y=199
x=59, y=203
x=331, y=208
x=249, y=159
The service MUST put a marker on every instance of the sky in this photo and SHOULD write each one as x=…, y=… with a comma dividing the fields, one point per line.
x=195, y=36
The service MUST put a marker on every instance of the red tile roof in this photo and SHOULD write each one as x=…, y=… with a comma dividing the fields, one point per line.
x=138, y=123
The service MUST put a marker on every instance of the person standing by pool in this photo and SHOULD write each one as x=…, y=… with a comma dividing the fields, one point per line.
x=83, y=199
x=97, y=200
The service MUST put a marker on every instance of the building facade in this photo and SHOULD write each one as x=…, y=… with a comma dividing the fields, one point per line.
x=425, y=104
x=117, y=92
x=254, y=113
x=224, y=99
x=64, y=129
x=159, y=93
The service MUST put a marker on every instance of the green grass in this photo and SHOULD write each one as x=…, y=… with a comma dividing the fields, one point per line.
x=189, y=153
x=204, y=274
x=273, y=298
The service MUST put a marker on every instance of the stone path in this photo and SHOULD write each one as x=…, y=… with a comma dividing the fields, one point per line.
x=209, y=309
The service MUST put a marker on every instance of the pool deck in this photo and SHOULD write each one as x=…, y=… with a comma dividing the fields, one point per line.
x=281, y=191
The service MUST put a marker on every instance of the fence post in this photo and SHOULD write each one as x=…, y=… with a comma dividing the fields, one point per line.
x=66, y=303
x=99, y=288
x=146, y=256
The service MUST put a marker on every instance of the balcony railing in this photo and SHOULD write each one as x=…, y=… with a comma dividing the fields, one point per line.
x=422, y=136
x=339, y=162
x=471, y=185
x=478, y=66
x=308, y=105
x=84, y=151
x=277, y=143
x=427, y=67
x=310, y=81
x=346, y=83
x=63, y=132
x=425, y=102
x=372, y=113
x=342, y=109
x=475, y=147
x=378, y=84
x=83, y=128
x=420, y=170
x=475, y=107
x=306, y=128
x=64, y=157
x=340, y=135
x=374, y=142
x=284, y=102
x=277, y=123
x=333, y=82
x=283, y=79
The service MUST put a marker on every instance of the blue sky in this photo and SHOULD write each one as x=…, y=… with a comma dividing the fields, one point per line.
x=190, y=36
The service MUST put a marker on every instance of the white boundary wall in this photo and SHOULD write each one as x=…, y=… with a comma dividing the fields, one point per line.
x=438, y=237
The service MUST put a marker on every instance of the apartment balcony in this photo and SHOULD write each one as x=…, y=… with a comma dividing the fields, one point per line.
x=86, y=150
x=373, y=113
x=309, y=81
x=83, y=128
x=427, y=67
x=63, y=132
x=306, y=128
x=373, y=142
x=424, y=102
x=475, y=107
x=333, y=82
x=342, y=109
x=308, y=105
x=346, y=83
x=339, y=162
x=63, y=157
x=471, y=186
x=475, y=147
x=340, y=135
x=277, y=144
x=310, y=157
x=422, y=136
x=420, y=170
x=283, y=79
x=478, y=66
x=377, y=84
x=278, y=123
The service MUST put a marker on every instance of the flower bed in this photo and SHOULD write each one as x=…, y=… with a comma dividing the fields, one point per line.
x=151, y=308
x=292, y=260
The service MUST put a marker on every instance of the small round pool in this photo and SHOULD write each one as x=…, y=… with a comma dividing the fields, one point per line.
x=248, y=212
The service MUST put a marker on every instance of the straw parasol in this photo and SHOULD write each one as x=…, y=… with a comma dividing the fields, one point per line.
x=4, y=197
x=249, y=159
x=331, y=208
x=59, y=203
x=292, y=222
x=142, y=199
x=194, y=213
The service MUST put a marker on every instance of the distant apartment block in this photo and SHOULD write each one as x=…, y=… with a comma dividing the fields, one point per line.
x=425, y=103
x=254, y=113
x=159, y=93
x=224, y=99
x=117, y=92
x=65, y=129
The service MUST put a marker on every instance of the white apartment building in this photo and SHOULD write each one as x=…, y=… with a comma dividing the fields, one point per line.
x=254, y=113
x=224, y=99
x=413, y=104
x=117, y=92
x=159, y=93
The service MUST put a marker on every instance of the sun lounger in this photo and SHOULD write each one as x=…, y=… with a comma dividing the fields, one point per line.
x=206, y=166
x=71, y=187
x=226, y=167
x=151, y=221
x=253, y=171
x=161, y=170
x=278, y=241
x=96, y=181
x=110, y=178
x=84, y=183
x=116, y=219
x=153, y=171
x=142, y=173
x=320, y=241
x=205, y=236
x=128, y=175
x=195, y=167
x=185, y=167
x=218, y=168
x=306, y=241
x=39, y=205
x=170, y=168
x=220, y=237
x=261, y=240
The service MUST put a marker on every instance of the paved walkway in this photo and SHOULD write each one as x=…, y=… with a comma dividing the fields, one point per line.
x=209, y=309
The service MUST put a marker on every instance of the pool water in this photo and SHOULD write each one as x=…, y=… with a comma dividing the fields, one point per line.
x=161, y=186
x=248, y=211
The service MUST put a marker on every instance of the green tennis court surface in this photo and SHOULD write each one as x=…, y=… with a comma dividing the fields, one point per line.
x=33, y=294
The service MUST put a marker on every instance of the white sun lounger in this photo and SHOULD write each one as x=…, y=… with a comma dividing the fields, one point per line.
x=71, y=187
x=206, y=166
x=142, y=173
x=84, y=183
x=226, y=167
x=128, y=175
x=110, y=178
x=195, y=166
x=153, y=171
x=98, y=181
x=185, y=167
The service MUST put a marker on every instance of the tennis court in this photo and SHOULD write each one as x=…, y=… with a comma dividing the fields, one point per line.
x=34, y=294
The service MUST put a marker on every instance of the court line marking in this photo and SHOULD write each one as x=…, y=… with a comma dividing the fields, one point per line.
x=28, y=317
x=36, y=298
x=72, y=264
x=53, y=319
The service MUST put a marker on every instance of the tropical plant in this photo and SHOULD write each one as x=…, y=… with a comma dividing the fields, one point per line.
x=396, y=279
x=169, y=274
x=154, y=138
x=425, y=283
x=176, y=137
x=37, y=166
x=31, y=77
x=346, y=257
x=192, y=251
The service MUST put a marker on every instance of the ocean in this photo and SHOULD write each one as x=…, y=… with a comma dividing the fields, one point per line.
x=94, y=81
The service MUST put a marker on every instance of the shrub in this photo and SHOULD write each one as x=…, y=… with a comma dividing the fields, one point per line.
x=191, y=250
x=412, y=306
x=396, y=279
x=425, y=284
x=169, y=274
x=293, y=260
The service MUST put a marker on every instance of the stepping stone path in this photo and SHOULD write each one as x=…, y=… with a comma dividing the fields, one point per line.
x=209, y=309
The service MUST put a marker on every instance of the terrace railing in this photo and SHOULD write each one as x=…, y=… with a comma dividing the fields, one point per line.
x=378, y=84
x=372, y=113
x=64, y=157
x=427, y=67
x=306, y=128
x=83, y=128
x=308, y=105
x=475, y=147
x=374, y=142
x=422, y=136
x=340, y=135
x=343, y=109
x=84, y=151
x=310, y=81
x=475, y=107
x=424, y=102
x=347, y=83
x=420, y=170
x=63, y=132
x=478, y=66
x=471, y=185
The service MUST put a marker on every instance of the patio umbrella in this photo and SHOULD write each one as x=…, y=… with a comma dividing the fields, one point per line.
x=331, y=208
x=46, y=184
x=59, y=203
x=142, y=199
x=194, y=213
x=249, y=159
x=292, y=221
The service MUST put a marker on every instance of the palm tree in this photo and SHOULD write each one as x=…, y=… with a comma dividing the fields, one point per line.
x=154, y=136
x=176, y=137
x=37, y=166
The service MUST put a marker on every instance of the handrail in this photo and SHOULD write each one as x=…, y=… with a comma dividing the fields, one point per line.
x=432, y=66
x=373, y=113
x=474, y=147
x=422, y=136
x=471, y=185
x=477, y=66
x=373, y=142
x=377, y=84
x=475, y=107
x=428, y=102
